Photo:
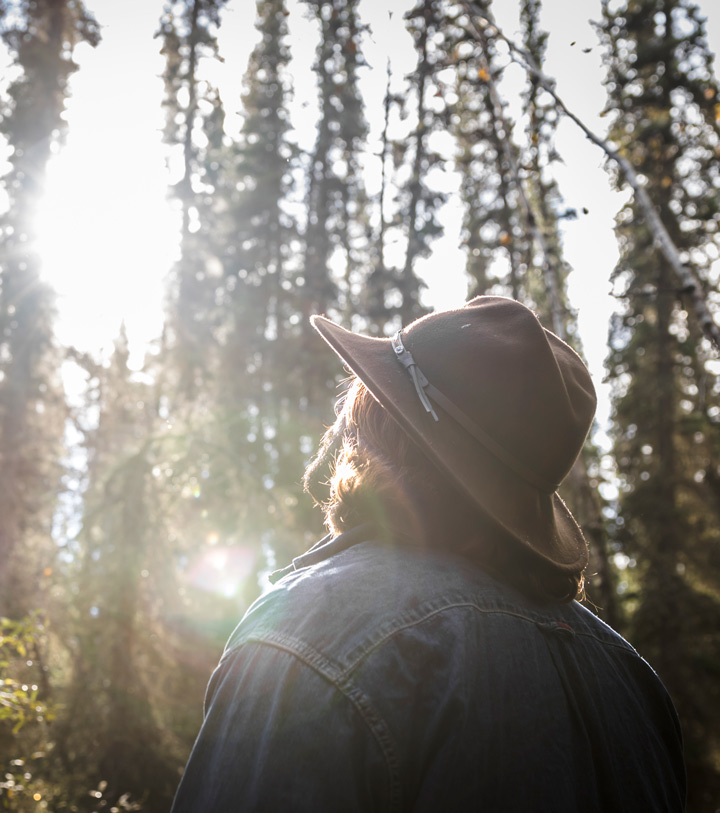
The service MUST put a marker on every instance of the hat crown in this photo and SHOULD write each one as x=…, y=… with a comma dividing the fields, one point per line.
x=519, y=382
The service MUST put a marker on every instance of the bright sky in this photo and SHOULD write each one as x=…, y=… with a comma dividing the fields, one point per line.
x=110, y=234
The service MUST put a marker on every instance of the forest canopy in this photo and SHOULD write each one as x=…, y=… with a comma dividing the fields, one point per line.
x=145, y=496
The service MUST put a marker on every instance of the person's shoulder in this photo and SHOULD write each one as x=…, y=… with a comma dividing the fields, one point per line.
x=334, y=603
x=586, y=622
x=353, y=600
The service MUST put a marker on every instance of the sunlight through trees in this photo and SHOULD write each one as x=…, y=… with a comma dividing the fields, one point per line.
x=142, y=507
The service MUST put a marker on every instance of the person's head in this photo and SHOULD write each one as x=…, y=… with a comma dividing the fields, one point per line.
x=378, y=475
x=457, y=433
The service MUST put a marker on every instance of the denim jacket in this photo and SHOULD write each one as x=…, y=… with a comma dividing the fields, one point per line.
x=380, y=678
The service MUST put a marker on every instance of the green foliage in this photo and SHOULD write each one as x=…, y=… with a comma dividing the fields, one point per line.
x=19, y=700
x=24, y=716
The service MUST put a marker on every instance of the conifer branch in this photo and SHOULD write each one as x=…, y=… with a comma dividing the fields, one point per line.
x=689, y=283
x=557, y=311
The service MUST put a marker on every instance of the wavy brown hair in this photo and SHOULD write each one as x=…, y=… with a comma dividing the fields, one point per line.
x=378, y=475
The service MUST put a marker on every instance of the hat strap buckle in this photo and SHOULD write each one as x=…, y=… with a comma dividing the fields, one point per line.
x=404, y=356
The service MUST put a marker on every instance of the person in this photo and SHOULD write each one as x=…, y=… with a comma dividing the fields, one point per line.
x=429, y=654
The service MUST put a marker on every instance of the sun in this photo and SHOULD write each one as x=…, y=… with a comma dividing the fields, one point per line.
x=107, y=232
x=107, y=237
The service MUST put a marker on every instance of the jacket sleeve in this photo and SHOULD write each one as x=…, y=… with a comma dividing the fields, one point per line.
x=279, y=735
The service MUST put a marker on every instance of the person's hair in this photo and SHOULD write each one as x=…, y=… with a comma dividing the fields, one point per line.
x=377, y=474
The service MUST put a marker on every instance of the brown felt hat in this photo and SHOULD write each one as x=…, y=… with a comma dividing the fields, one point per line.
x=501, y=405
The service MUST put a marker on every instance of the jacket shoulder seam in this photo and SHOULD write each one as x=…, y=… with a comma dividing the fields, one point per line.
x=341, y=680
x=356, y=657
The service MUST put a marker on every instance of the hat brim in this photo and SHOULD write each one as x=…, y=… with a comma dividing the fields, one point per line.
x=539, y=521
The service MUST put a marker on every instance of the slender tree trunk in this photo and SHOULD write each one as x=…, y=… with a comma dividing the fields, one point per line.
x=663, y=574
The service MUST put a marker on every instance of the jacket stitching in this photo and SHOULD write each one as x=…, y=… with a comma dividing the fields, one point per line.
x=361, y=702
x=357, y=655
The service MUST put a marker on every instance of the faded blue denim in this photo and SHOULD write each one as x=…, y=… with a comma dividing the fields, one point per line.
x=391, y=679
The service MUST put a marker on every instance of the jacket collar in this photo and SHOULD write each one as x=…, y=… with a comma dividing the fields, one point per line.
x=328, y=546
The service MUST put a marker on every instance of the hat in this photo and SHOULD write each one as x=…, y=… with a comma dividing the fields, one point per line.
x=501, y=406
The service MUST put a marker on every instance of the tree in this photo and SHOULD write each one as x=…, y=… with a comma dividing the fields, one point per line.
x=108, y=732
x=662, y=102
x=409, y=203
x=546, y=290
x=335, y=193
x=194, y=116
x=495, y=226
x=261, y=385
x=419, y=201
x=41, y=36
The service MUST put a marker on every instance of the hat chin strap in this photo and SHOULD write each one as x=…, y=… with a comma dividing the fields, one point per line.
x=424, y=388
